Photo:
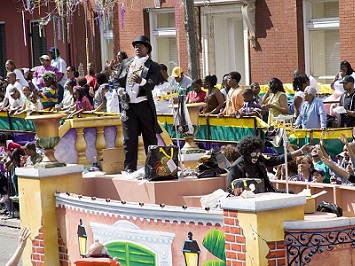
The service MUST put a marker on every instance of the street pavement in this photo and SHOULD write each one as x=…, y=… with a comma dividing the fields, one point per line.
x=9, y=240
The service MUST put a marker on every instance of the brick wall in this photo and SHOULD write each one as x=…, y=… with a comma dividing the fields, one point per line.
x=63, y=252
x=279, y=32
x=37, y=256
x=277, y=254
x=78, y=41
x=136, y=22
x=236, y=244
x=347, y=30
x=181, y=37
x=235, y=240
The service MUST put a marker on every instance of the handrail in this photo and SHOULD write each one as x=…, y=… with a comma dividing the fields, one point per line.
x=341, y=195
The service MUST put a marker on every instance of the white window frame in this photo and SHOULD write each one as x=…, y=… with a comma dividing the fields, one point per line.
x=156, y=32
x=315, y=24
x=104, y=36
x=220, y=10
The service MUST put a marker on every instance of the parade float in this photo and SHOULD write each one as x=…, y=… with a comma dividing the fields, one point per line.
x=164, y=223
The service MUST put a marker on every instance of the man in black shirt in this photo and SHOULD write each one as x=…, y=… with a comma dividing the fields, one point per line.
x=347, y=100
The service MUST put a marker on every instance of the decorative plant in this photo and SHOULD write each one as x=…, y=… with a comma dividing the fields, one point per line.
x=215, y=243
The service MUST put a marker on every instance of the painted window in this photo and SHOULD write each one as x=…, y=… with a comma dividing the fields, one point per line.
x=322, y=41
x=131, y=254
x=163, y=37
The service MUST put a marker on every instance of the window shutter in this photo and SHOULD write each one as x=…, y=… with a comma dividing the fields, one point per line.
x=39, y=44
x=2, y=50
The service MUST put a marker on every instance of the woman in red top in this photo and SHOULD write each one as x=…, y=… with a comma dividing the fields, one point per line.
x=197, y=95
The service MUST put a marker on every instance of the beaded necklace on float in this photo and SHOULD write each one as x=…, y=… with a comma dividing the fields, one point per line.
x=134, y=68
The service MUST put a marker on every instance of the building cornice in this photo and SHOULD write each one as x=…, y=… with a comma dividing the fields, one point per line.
x=141, y=211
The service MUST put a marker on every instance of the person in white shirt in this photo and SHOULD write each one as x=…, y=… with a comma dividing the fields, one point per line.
x=184, y=82
x=345, y=70
x=16, y=99
x=12, y=82
x=11, y=67
x=68, y=103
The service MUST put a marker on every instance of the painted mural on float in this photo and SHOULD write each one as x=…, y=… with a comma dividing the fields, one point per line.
x=170, y=236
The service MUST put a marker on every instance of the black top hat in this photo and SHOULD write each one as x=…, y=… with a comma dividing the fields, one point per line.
x=144, y=40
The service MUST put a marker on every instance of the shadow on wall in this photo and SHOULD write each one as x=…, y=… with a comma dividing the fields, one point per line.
x=263, y=21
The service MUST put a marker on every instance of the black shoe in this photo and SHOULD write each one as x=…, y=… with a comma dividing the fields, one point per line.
x=5, y=212
x=130, y=171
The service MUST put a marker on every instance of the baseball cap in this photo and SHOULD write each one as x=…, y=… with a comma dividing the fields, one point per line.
x=176, y=72
x=45, y=57
x=347, y=78
x=319, y=171
x=53, y=50
x=12, y=90
x=342, y=154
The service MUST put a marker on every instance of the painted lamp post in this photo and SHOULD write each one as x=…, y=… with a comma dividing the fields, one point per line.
x=47, y=129
x=191, y=251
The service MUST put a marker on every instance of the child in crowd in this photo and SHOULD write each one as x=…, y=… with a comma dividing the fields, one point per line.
x=82, y=103
x=250, y=107
x=49, y=95
x=318, y=175
x=26, y=107
x=255, y=87
x=36, y=104
x=82, y=83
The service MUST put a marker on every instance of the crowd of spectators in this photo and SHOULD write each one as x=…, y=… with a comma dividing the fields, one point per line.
x=55, y=86
x=12, y=156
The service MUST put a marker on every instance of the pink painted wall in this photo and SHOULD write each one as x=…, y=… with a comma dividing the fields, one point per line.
x=172, y=192
x=68, y=221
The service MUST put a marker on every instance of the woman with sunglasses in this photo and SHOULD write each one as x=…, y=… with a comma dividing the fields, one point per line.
x=252, y=164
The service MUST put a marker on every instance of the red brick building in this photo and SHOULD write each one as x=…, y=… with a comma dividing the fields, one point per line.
x=259, y=38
